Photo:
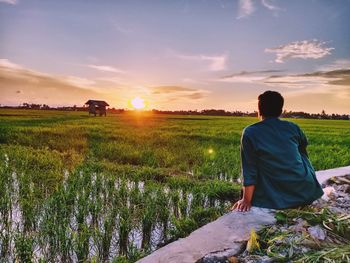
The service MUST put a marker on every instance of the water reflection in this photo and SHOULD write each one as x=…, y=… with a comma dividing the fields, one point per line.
x=93, y=215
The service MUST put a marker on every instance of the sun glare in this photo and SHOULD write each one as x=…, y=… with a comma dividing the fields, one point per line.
x=138, y=103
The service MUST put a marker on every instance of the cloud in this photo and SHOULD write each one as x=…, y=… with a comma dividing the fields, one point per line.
x=169, y=89
x=106, y=68
x=216, y=63
x=336, y=83
x=243, y=79
x=120, y=26
x=8, y=65
x=122, y=29
x=173, y=93
x=114, y=80
x=332, y=85
x=300, y=49
x=322, y=89
x=79, y=82
x=247, y=73
x=329, y=90
x=248, y=76
x=337, y=64
x=11, y=2
x=245, y=8
x=334, y=77
x=16, y=80
x=296, y=81
x=193, y=81
x=270, y=6
x=248, y=7
x=196, y=95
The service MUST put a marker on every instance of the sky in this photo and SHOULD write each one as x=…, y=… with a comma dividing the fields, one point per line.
x=176, y=54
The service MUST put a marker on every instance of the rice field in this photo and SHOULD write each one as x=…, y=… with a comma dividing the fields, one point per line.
x=75, y=188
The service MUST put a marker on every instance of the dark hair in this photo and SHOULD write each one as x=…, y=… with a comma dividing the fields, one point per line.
x=270, y=104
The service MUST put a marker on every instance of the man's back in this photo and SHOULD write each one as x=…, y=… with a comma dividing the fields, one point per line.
x=274, y=160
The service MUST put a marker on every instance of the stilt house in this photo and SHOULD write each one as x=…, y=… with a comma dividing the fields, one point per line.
x=97, y=107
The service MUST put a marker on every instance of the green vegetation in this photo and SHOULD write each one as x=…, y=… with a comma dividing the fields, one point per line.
x=289, y=240
x=114, y=188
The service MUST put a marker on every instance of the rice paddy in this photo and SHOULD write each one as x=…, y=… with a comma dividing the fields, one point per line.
x=75, y=188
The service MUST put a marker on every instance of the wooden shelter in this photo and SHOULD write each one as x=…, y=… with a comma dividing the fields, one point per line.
x=97, y=106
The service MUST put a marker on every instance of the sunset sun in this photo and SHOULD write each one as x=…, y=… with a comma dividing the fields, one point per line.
x=138, y=103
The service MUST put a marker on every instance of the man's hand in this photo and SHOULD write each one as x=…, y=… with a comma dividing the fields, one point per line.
x=241, y=206
x=245, y=203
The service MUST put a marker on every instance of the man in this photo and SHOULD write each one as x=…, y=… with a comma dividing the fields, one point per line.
x=275, y=166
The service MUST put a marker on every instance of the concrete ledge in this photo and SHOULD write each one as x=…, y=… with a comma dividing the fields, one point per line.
x=226, y=236
x=227, y=233
x=324, y=175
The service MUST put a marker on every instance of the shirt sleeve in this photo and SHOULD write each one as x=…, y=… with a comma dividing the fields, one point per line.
x=248, y=160
x=303, y=142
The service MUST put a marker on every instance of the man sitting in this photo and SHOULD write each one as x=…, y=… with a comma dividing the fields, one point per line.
x=275, y=166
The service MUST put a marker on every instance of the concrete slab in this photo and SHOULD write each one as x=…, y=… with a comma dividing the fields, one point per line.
x=324, y=175
x=227, y=235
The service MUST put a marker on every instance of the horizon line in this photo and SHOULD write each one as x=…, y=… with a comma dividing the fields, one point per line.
x=163, y=110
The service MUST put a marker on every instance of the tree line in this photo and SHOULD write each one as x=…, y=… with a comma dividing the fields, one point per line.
x=205, y=112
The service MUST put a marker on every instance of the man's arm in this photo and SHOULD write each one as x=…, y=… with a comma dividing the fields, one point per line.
x=245, y=203
x=302, y=149
x=303, y=142
x=249, y=172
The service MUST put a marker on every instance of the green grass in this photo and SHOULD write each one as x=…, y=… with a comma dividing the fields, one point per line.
x=176, y=144
x=188, y=165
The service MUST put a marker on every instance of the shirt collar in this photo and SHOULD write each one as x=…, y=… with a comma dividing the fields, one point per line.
x=270, y=118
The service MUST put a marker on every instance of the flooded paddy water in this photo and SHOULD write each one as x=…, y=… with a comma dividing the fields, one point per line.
x=96, y=216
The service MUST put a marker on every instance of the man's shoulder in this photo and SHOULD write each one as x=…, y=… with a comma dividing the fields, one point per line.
x=256, y=127
x=290, y=124
x=251, y=129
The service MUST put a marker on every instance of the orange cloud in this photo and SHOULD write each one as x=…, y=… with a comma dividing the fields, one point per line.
x=19, y=84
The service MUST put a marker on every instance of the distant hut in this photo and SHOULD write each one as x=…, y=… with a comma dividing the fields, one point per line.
x=97, y=106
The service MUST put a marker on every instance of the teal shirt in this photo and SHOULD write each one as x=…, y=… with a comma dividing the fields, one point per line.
x=274, y=159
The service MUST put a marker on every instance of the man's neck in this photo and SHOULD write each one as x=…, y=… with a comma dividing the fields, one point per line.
x=265, y=117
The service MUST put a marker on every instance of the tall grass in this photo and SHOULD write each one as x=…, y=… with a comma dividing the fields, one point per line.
x=95, y=216
x=78, y=188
